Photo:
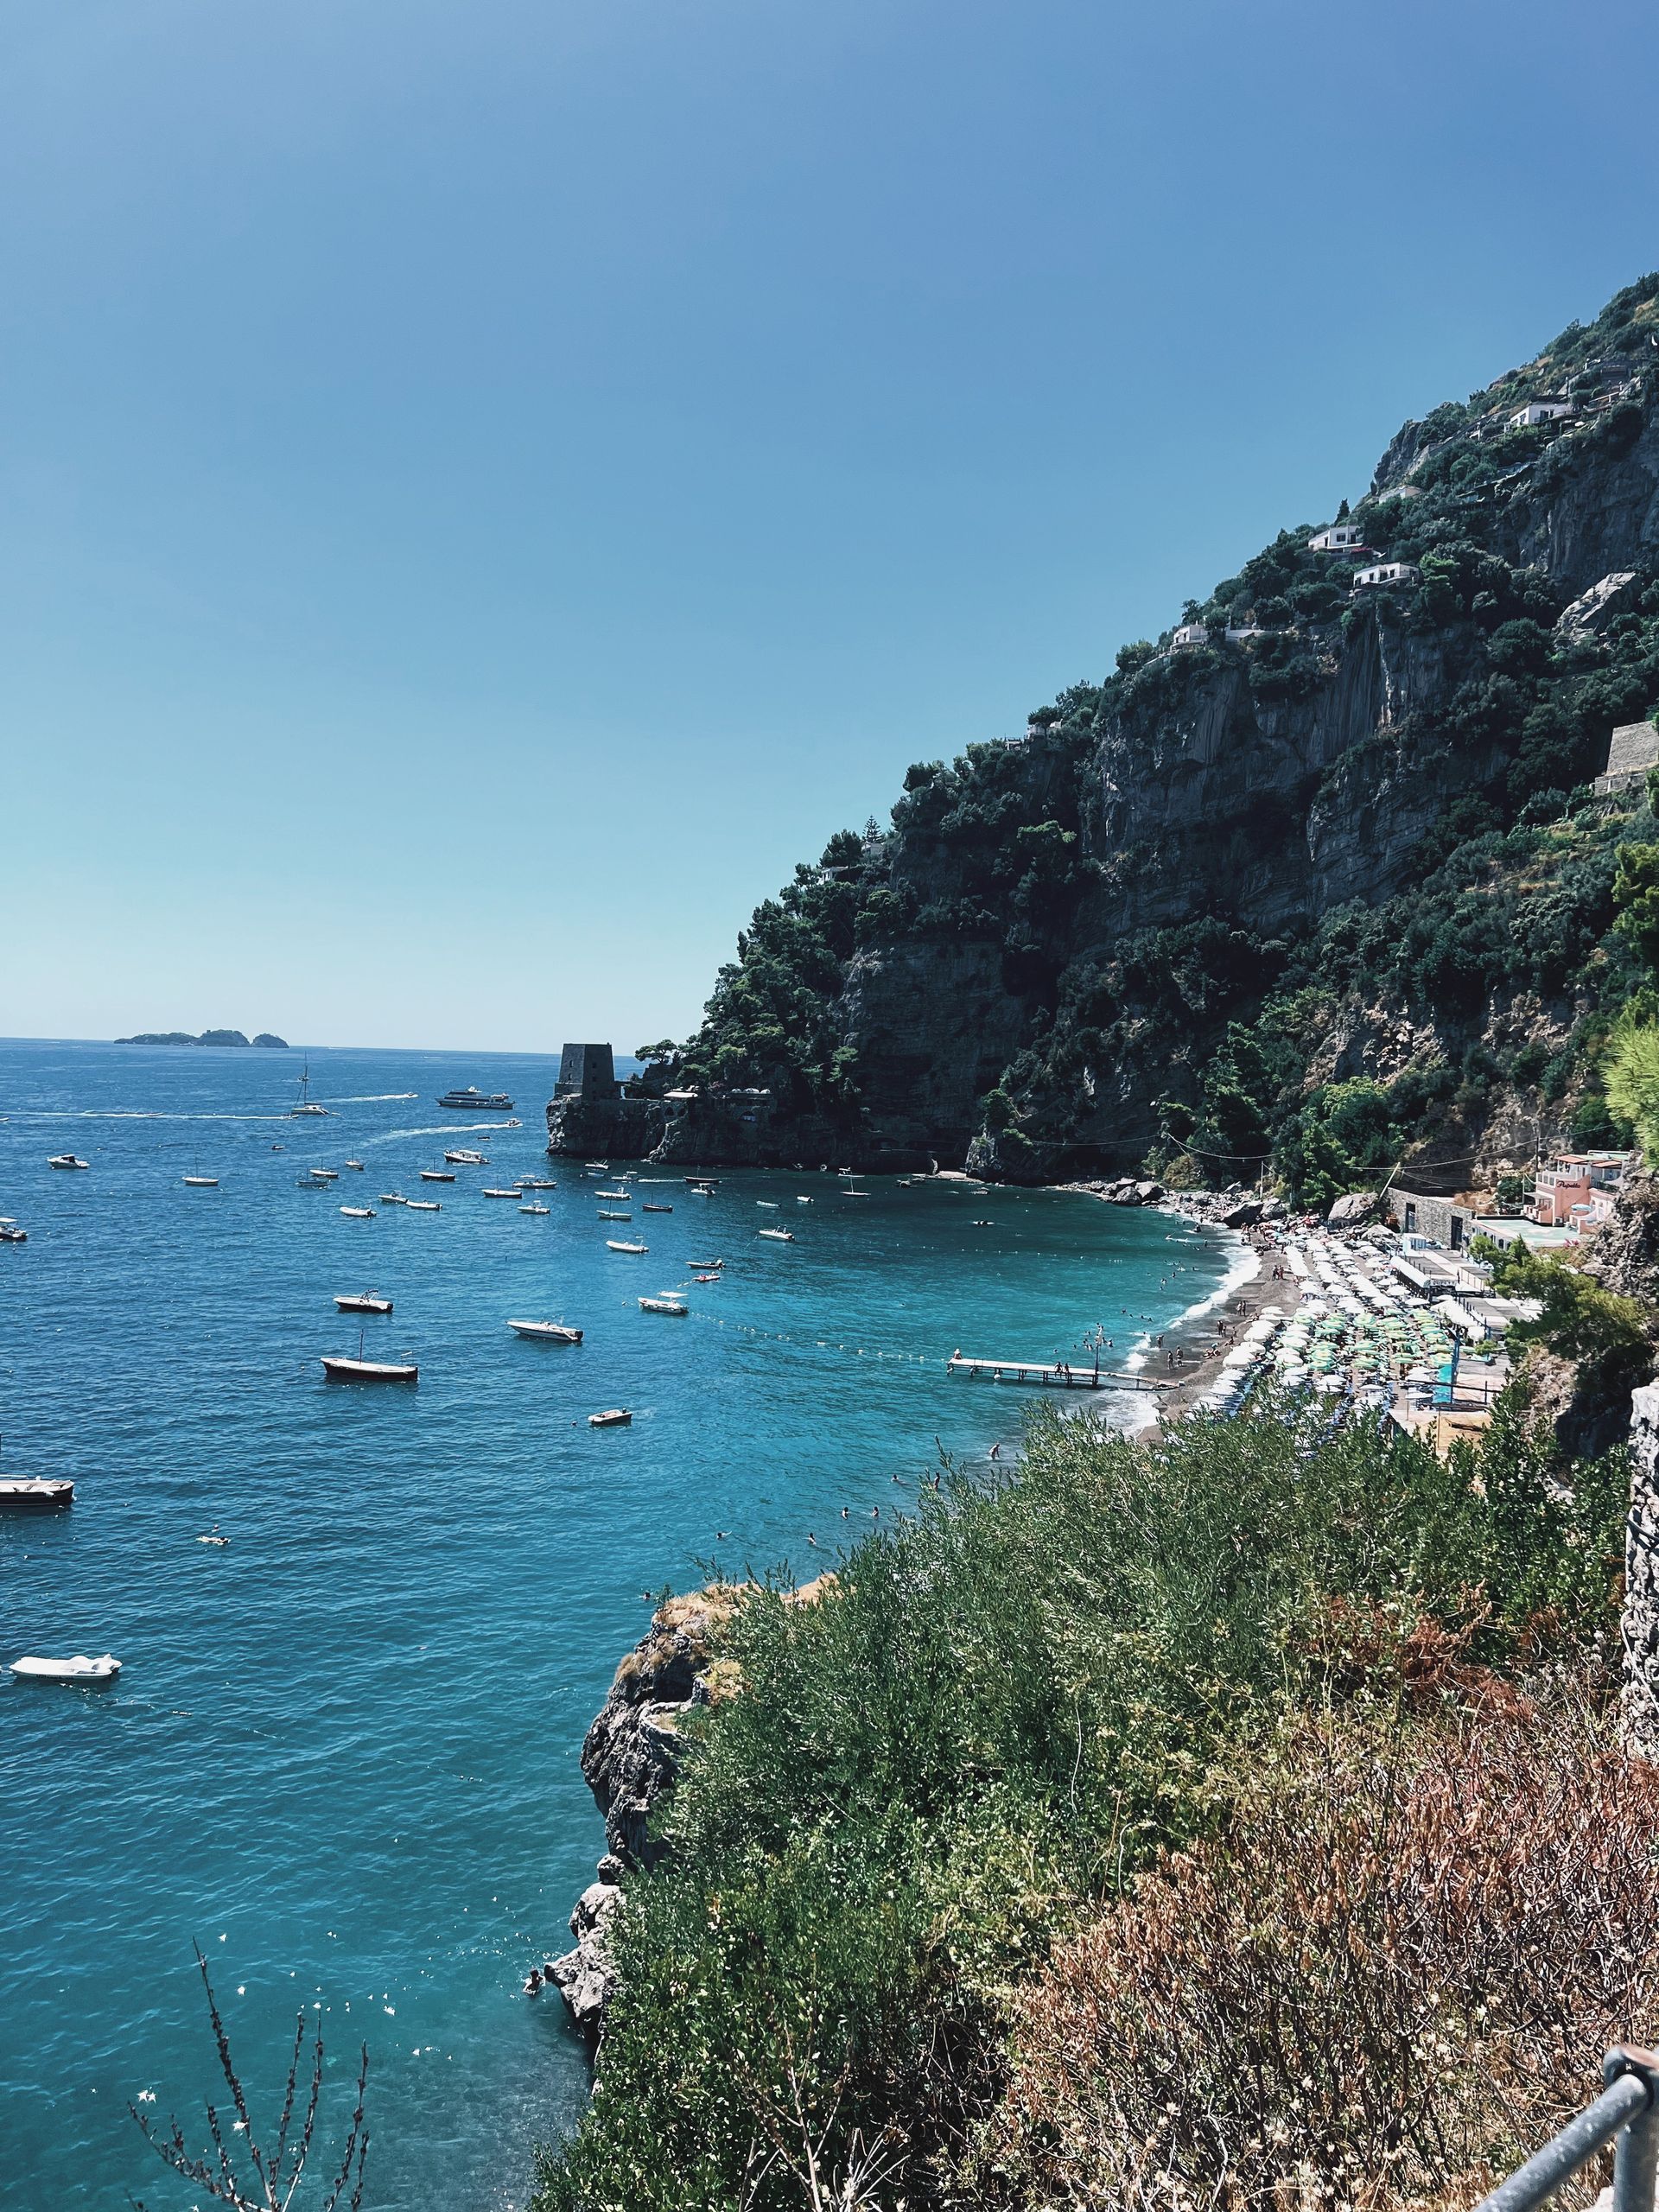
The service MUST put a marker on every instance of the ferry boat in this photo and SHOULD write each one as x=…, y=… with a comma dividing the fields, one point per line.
x=611, y=1245
x=80, y=1668
x=546, y=1332
x=492, y=1101
x=617, y=1417
x=362, y=1301
x=66, y=1160
x=664, y=1306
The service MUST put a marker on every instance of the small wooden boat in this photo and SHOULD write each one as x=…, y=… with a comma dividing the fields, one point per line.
x=535, y=1209
x=546, y=1332
x=423, y=1206
x=362, y=1301
x=649, y=1208
x=612, y=1194
x=358, y=1213
x=368, y=1371
x=610, y=1213
x=66, y=1160
x=778, y=1235
x=499, y=1194
x=617, y=1417
x=664, y=1306
x=437, y=1175
x=80, y=1668
x=35, y=1491
x=611, y=1245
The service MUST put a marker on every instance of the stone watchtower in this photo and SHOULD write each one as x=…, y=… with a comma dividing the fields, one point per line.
x=586, y=1071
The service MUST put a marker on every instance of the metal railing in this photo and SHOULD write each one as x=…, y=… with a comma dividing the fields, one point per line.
x=1628, y=2109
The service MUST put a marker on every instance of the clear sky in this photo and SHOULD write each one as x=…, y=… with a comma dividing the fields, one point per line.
x=486, y=485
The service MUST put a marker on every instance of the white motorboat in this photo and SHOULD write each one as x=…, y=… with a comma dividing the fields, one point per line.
x=357, y=1164
x=535, y=1209
x=393, y=1199
x=500, y=1194
x=648, y=1207
x=358, y=1213
x=705, y=1266
x=546, y=1332
x=437, y=1175
x=66, y=1160
x=612, y=1194
x=771, y=1205
x=611, y=1213
x=664, y=1306
x=35, y=1490
x=422, y=1206
x=611, y=1245
x=538, y=1183
x=80, y=1668
x=362, y=1301
x=617, y=1417
x=462, y=1158
x=778, y=1235
x=328, y=1174
x=802, y=1202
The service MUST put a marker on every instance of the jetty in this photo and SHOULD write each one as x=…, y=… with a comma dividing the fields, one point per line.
x=1060, y=1377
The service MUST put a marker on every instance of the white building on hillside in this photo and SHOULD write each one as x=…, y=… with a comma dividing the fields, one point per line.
x=1540, y=411
x=1341, y=537
x=1386, y=573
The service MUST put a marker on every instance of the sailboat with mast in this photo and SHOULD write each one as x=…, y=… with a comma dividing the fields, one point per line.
x=308, y=1104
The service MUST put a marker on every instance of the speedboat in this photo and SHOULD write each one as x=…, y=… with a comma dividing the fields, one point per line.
x=358, y=1213
x=801, y=1201
x=778, y=1235
x=546, y=1332
x=80, y=1668
x=612, y=1194
x=422, y=1206
x=617, y=1417
x=368, y=1371
x=362, y=1301
x=494, y=1102
x=611, y=1245
x=535, y=1209
x=10, y=1232
x=462, y=1158
x=35, y=1490
x=611, y=1213
x=393, y=1199
x=664, y=1306
x=66, y=1160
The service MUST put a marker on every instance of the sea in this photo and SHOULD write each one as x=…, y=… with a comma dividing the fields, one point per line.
x=341, y=1758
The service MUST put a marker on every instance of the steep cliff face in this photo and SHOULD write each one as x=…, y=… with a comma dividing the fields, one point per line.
x=1131, y=935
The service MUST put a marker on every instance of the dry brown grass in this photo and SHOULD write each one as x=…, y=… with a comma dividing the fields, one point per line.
x=1393, y=1973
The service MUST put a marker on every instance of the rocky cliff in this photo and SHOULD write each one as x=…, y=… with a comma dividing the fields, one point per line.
x=1327, y=831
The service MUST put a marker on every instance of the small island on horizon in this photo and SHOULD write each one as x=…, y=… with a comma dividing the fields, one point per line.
x=207, y=1037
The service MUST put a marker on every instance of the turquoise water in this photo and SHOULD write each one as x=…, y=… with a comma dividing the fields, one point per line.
x=342, y=1754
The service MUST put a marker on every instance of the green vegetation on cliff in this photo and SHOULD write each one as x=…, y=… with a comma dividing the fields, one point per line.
x=943, y=1801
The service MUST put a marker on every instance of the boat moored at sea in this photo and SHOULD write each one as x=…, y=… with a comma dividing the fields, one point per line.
x=677, y=1305
x=494, y=1102
x=611, y=1213
x=10, y=1233
x=462, y=1158
x=499, y=1194
x=80, y=1668
x=537, y=1183
x=35, y=1493
x=535, y=1209
x=393, y=1199
x=778, y=1235
x=358, y=1213
x=546, y=1332
x=357, y=1164
x=706, y=1264
x=328, y=1174
x=422, y=1206
x=369, y=1370
x=437, y=1175
x=306, y=1105
x=612, y=1194
x=66, y=1160
x=613, y=1245
x=362, y=1301
x=617, y=1417
x=649, y=1208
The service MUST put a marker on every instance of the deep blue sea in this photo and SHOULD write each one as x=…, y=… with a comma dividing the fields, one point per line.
x=342, y=1753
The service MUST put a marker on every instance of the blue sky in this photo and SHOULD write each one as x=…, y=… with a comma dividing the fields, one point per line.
x=486, y=485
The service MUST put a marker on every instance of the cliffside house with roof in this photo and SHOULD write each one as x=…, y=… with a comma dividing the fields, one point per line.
x=1341, y=537
x=1540, y=411
x=1632, y=749
x=1189, y=635
x=1385, y=576
x=1576, y=1191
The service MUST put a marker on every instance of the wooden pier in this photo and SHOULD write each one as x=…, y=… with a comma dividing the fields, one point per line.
x=1057, y=1377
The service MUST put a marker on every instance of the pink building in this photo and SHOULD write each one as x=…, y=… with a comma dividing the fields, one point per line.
x=1576, y=1191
